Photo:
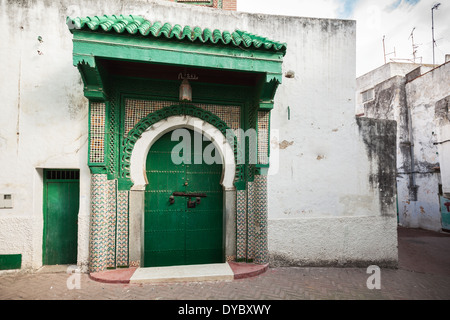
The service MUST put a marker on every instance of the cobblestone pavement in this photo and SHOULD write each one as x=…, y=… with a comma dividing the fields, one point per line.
x=431, y=281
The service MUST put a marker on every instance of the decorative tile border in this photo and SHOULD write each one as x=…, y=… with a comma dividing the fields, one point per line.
x=99, y=229
x=241, y=225
x=260, y=203
x=263, y=137
x=250, y=222
x=122, y=228
x=136, y=110
x=97, y=132
x=111, y=222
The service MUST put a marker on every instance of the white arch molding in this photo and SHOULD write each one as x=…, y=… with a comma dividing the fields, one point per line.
x=156, y=131
x=139, y=178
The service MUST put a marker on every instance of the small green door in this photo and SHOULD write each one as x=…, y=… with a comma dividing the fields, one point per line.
x=445, y=212
x=61, y=203
x=176, y=232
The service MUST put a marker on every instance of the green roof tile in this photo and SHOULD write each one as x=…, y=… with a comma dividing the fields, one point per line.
x=138, y=25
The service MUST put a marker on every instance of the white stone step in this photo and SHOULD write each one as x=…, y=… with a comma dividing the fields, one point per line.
x=202, y=272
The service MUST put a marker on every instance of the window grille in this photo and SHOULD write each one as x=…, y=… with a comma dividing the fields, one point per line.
x=62, y=174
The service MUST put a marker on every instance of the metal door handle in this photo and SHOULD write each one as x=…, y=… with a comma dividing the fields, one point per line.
x=189, y=195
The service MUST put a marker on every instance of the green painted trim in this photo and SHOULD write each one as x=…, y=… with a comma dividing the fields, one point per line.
x=124, y=184
x=93, y=84
x=266, y=106
x=102, y=169
x=10, y=261
x=261, y=170
x=240, y=185
x=113, y=46
x=95, y=94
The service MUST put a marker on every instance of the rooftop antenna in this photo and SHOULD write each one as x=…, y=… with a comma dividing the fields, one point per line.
x=384, y=51
x=414, y=47
x=435, y=7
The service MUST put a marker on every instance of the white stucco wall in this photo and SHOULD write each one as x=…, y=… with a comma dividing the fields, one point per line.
x=322, y=181
x=43, y=123
x=321, y=205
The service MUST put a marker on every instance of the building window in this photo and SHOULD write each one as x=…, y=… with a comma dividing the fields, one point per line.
x=367, y=95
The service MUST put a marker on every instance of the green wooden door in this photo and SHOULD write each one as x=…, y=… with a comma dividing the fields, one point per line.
x=177, y=233
x=61, y=204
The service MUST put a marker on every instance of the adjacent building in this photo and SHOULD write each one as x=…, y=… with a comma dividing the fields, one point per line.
x=416, y=96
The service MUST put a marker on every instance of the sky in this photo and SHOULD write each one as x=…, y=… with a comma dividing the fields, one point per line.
x=393, y=20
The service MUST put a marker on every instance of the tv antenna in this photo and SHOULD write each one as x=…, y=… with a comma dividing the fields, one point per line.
x=435, y=7
x=414, y=46
x=384, y=51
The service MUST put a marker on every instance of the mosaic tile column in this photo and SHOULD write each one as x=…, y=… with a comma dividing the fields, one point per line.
x=98, y=237
x=108, y=241
x=250, y=222
x=241, y=225
x=260, y=220
x=111, y=186
x=122, y=228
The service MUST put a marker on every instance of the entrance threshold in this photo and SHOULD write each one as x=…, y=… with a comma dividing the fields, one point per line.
x=190, y=273
x=202, y=272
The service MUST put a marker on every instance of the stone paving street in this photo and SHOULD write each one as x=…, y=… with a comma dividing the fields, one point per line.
x=423, y=273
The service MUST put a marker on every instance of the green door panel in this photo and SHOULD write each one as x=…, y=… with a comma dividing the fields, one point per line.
x=61, y=204
x=445, y=212
x=174, y=233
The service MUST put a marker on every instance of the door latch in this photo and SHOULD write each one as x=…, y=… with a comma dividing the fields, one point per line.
x=191, y=204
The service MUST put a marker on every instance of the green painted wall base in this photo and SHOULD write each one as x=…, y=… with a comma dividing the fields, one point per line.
x=10, y=261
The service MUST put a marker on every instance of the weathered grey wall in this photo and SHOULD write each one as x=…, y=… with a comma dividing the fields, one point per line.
x=426, y=95
x=417, y=101
x=380, y=138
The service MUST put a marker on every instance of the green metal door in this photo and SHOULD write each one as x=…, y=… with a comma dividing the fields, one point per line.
x=61, y=204
x=176, y=232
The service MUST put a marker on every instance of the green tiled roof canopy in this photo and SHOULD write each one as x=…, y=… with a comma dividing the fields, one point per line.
x=137, y=24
